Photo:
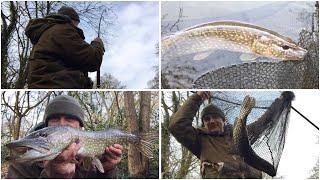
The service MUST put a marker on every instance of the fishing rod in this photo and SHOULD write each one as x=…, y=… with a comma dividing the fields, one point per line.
x=98, y=71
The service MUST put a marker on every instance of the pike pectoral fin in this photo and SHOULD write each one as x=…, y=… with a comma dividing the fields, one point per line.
x=97, y=163
x=202, y=55
x=248, y=57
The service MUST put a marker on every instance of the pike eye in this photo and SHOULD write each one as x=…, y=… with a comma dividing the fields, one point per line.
x=285, y=47
x=43, y=134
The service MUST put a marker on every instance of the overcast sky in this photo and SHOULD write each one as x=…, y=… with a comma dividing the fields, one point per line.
x=131, y=54
x=301, y=150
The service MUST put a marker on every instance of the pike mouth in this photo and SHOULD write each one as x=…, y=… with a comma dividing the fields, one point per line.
x=25, y=154
x=18, y=152
x=298, y=54
x=22, y=147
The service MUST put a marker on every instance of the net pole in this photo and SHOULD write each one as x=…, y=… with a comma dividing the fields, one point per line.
x=305, y=118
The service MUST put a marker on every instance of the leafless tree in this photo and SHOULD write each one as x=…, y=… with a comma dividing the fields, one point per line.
x=21, y=104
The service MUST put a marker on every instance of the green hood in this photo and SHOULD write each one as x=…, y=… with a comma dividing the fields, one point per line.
x=36, y=27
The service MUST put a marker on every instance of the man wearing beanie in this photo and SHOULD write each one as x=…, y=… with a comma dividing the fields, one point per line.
x=212, y=143
x=60, y=57
x=65, y=110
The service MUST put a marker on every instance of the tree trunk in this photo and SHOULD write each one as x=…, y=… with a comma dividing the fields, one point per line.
x=6, y=34
x=17, y=118
x=23, y=73
x=185, y=163
x=145, y=108
x=165, y=140
x=134, y=156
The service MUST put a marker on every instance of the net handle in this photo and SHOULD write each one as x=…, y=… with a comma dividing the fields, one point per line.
x=231, y=102
x=305, y=118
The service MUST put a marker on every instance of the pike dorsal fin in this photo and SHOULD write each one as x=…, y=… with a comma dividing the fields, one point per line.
x=240, y=24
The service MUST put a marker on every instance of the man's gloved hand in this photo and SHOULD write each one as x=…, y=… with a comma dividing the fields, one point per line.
x=204, y=94
x=63, y=166
x=98, y=39
x=111, y=157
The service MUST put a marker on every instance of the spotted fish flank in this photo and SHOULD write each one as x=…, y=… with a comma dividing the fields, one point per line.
x=47, y=143
x=232, y=36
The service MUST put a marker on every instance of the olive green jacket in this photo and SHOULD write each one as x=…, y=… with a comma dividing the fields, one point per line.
x=208, y=148
x=60, y=57
x=35, y=171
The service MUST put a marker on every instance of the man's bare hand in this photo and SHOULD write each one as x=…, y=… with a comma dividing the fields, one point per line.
x=63, y=166
x=111, y=157
x=204, y=94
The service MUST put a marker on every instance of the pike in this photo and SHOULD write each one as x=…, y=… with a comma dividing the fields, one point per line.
x=251, y=40
x=49, y=142
x=241, y=142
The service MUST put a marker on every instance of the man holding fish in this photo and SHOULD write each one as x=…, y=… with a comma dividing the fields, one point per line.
x=218, y=145
x=66, y=111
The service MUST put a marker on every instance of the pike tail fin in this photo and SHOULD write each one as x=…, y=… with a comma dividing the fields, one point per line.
x=146, y=143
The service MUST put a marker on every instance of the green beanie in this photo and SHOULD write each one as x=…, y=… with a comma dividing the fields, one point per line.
x=69, y=11
x=65, y=105
x=212, y=109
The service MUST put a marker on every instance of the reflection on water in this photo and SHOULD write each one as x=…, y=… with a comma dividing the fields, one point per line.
x=286, y=18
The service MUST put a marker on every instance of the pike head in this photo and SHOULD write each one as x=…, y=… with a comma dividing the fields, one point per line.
x=44, y=144
x=278, y=47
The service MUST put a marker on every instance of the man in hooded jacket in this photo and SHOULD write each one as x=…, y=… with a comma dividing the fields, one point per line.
x=60, y=57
